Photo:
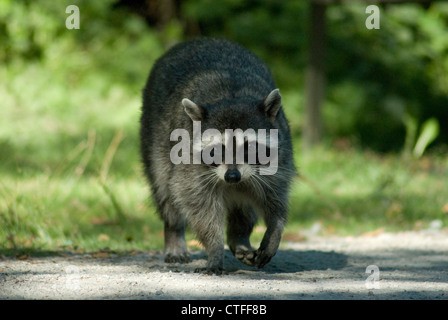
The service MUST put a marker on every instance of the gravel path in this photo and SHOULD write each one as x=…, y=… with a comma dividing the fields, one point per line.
x=409, y=265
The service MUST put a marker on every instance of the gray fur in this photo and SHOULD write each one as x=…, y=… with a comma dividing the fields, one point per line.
x=226, y=87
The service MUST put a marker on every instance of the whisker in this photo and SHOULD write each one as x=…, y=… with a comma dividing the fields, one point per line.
x=263, y=182
x=207, y=177
x=257, y=187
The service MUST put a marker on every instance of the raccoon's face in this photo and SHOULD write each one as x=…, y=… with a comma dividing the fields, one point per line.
x=234, y=161
x=237, y=155
x=238, y=142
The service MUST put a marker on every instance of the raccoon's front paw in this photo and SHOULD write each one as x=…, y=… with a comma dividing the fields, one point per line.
x=246, y=256
x=177, y=258
x=215, y=265
x=262, y=257
x=210, y=270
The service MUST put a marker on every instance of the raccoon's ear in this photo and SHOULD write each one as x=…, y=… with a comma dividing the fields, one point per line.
x=192, y=109
x=272, y=103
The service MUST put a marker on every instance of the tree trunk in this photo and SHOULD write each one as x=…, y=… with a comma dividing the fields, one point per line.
x=315, y=78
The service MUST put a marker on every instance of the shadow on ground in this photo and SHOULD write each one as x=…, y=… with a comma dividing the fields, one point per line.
x=291, y=261
x=291, y=274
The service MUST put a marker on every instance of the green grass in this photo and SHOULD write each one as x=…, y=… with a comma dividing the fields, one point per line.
x=71, y=176
x=352, y=192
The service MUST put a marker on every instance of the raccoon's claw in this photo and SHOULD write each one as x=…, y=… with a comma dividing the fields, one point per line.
x=253, y=258
x=177, y=258
x=210, y=271
x=262, y=257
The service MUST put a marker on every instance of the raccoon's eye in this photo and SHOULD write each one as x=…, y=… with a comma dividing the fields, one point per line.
x=266, y=152
x=212, y=155
x=250, y=150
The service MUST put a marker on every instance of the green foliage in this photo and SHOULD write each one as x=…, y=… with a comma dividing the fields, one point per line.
x=78, y=78
x=429, y=132
x=375, y=77
x=66, y=95
x=416, y=145
x=272, y=29
x=107, y=43
x=411, y=134
x=399, y=69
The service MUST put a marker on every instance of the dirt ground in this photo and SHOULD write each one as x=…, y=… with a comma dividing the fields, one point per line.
x=408, y=265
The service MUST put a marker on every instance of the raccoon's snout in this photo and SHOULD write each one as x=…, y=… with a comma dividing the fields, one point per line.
x=232, y=176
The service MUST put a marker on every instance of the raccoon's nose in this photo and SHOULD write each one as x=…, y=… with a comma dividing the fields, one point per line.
x=232, y=176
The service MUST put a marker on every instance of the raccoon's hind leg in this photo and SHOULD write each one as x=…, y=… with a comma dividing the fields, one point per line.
x=240, y=224
x=175, y=246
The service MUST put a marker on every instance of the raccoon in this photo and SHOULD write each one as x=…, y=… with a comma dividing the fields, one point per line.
x=219, y=85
